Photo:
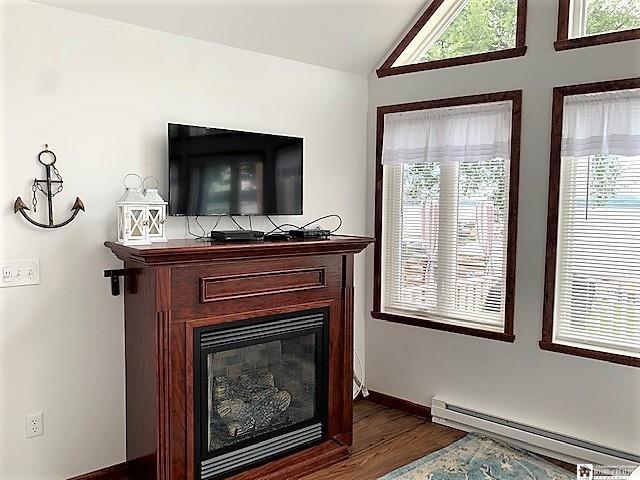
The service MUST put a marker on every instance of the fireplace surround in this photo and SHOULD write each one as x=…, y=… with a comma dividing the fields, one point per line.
x=238, y=357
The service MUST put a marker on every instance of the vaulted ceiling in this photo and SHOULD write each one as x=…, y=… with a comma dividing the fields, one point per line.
x=349, y=35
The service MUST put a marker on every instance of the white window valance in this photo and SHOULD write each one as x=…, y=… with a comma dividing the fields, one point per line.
x=606, y=123
x=469, y=133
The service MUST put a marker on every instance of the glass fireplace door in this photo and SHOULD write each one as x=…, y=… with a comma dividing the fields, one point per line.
x=262, y=389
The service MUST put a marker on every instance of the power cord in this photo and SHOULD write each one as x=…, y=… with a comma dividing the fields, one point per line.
x=274, y=224
x=333, y=215
x=277, y=227
x=359, y=379
x=234, y=221
x=204, y=232
x=197, y=237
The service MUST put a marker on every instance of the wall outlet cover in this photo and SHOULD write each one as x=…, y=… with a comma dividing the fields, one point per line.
x=33, y=425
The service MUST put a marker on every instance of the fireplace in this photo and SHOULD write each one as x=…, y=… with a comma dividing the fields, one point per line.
x=213, y=336
x=260, y=390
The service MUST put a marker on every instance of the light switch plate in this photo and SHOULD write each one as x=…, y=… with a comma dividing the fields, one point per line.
x=15, y=273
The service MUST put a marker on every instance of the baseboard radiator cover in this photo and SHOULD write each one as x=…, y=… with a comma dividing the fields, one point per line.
x=538, y=440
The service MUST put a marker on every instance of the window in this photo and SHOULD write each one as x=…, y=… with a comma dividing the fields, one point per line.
x=593, y=22
x=457, y=32
x=592, y=291
x=446, y=214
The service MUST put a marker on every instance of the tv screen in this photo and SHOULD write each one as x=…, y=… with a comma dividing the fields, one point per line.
x=213, y=171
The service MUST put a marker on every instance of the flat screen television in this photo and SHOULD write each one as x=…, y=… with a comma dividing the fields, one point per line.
x=213, y=171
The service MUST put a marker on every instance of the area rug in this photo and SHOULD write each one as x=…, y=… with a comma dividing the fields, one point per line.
x=476, y=457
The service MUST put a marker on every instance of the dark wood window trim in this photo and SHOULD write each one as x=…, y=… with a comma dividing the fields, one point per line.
x=565, y=43
x=515, y=96
x=387, y=68
x=445, y=327
x=552, y=220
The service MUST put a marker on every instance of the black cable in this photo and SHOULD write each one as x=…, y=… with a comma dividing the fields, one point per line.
x=339, y=224
x=275, y=225
x=333, y=215
x=197, y=237
x=279, y=227
x=272, y=222
x=234, y=221
x=217, y=222
x=204, y=235
x=204, y=232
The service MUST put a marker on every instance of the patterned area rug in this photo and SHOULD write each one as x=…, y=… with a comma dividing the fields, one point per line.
x=480, y=458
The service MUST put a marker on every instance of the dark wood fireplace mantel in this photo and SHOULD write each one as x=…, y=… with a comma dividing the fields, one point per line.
x=174, y=288
x=190, y=251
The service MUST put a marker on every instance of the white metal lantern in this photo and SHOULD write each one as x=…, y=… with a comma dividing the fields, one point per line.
x=156, y=212
x=133, y=215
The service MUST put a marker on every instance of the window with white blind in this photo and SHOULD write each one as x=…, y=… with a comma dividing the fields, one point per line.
x=445, y=226
x=596, y=295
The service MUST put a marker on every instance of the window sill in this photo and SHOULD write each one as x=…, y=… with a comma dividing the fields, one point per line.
x=453, y=62
x=421, y=322
x=593, y=354
x=601, y=39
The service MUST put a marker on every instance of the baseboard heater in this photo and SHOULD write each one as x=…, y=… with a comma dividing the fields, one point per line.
x=538, y=440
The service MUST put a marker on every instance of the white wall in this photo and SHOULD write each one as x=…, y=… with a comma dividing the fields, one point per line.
x=587, y=398
x=101, y=93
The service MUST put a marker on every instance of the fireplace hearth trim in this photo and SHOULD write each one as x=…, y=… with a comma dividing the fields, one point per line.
x=259, y=451
x=316, y=322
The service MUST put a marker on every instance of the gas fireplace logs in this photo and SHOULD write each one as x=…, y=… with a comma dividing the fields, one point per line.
x=250, y=402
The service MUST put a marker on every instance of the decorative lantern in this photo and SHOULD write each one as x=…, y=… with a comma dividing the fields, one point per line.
x=156, y=212
x=133, y=217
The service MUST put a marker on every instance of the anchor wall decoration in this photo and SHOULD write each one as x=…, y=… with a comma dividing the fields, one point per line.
x=53, y=186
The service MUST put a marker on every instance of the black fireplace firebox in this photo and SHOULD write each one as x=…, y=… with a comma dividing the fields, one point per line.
x=260, y=390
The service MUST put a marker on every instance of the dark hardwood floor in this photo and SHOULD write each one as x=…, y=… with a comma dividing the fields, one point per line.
x=385, y=439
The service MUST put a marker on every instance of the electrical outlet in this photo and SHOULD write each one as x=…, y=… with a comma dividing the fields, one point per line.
x=33, y=426
x=19, y=272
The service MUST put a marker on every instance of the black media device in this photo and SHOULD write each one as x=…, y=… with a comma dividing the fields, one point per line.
x=213, y=171
x=312, y=233
x=236, y=236
x=277, y=237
